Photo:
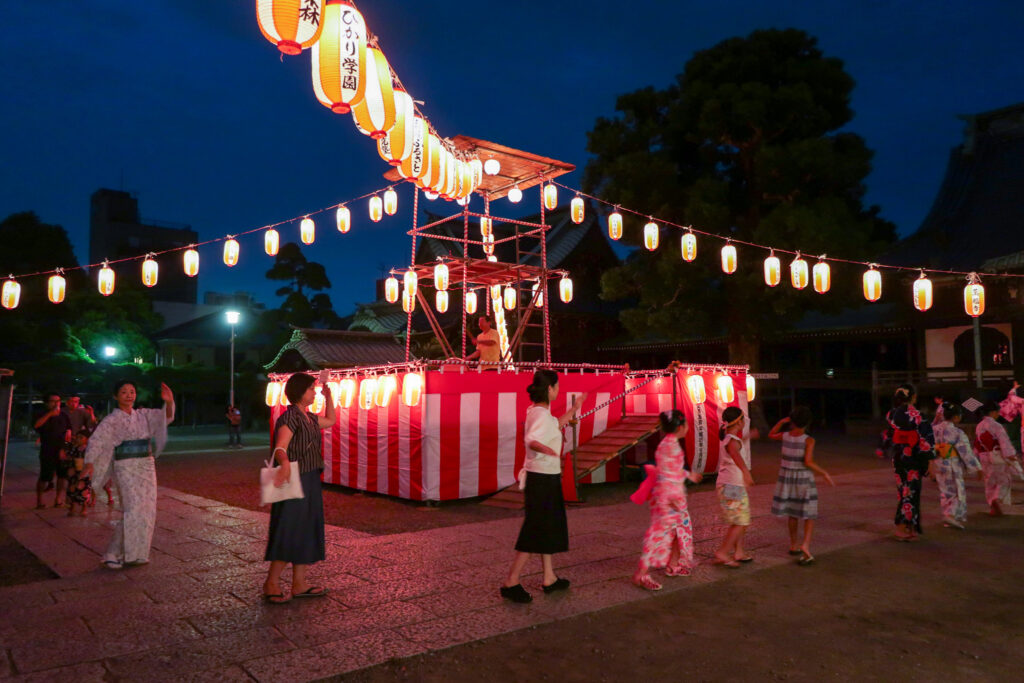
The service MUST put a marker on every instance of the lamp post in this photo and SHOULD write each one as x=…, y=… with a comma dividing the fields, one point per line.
x=232, y=317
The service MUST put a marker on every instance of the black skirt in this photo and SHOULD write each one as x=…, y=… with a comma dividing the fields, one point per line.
x=545, y=529
x=297, y=525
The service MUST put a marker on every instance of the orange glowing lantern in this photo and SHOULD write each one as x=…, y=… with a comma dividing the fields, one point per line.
x=317, y=406
x=565, y=289
x=273, y=393
x=695, y=387
x=441, y=301
x=615, y=225
x=375, y=114
x=922, y=293
x=291, y=25
x=391, y=289
x=396, y=146
x=728, y=259
x=271, y=242
x=872, y=284
x=412, y=388
x=496, y=294
x=725, y=389
x=408, y=301
x=486, y=226
x=410, y=281
x=470, y=303
x=390, y=201
x=376, y=209
x=416, y=166
x=688, y=245
x=822, y=277
x=307, y=230
x=55, y=288
x=11, y=293
x=772, y=270
x=386, y=388
x=550, y=197
x=343, y=219
x=231, y=252
x=538, y=295
x=974, y=297
x=798, y=272
x=510, y=297
x=190, y=262
x=367, y=392
x=150, y=272
x=488, y=242
x=651, y=236
x=346, y=392
x=576, y=210
x=441, y=277
x=339, y=57
x=751, y=387
x=105, y=281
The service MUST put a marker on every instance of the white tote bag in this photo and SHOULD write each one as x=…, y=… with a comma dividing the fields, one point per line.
x=272, y=494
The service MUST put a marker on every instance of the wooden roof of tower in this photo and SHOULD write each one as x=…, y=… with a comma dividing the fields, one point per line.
x=517, y=167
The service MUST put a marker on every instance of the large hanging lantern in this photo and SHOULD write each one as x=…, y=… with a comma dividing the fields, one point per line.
x=486, y=226
x=307, y=230
x=376, y=209
x=822, y=277
x=974, y=296
x=470, y=303
x=390, y=201
x=725, y=389
x=367, y=392
x=695, y=387
x=415, y=166
x=396, y=146
x=105, y=281
x=772, y=270
x=55, y=288
x=728, y=259
x=412, y=388
x=539, y=296
x=565, y=289
x=688, y=245
x=11, y=293
x=190, y=262
x=434, y=162
x=550, y=197
x=391, y=289
x=751, y=388
x=515, y=195
x=441, y=301
x=346, y=392
x=339, y=58
x=343, y=219
x=615, y=225
x=271, y=242
x=441, y=277
x=492, y=167
x=231, y=252
x=872, y=284
x=510, y=297
x=375, y=114
x=651, y=236
x=408, y=301
x=798, y=272
x=291, y=25
x=576, y=210
x=488, y=243
x=273, y=393
x=411, y=281
x=319, y=402
x=150, y=272
x=496, y=294
x=386, y=388
x=923, y=293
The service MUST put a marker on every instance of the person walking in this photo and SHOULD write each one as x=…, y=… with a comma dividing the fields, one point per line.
x=734, y=479
x=296, y=533
x=234, y=418
x=997, y=456
x=955, y=456
x=910, y=439
x=54, y=429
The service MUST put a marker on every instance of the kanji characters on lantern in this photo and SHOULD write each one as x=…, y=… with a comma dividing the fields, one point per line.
x=291, y=25
x=375, y=113
x=576, y=210
x=615, y=225
x=386, y=388
x=550, y=197
x=651, y=236
x=798, y=272
x=11, y=293
x=150, y=272
x=339, y=58
x=688, y=246
x=974, y=296
x=346, y=392
x=367, y=392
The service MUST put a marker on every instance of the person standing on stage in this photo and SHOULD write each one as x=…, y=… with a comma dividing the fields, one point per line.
x=54, y=429
x=488, y=343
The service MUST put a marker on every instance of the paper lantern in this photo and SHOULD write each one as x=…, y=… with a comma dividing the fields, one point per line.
x=390, y=202
x=307, y=230
x=346, y=392
x=751, y=387
x=434, y=174
x=231, y=252
x=923, y=293
x=550, y=197
x=538, y=295
x=11, y=294
x=974, y=298
x=651, y=236
x=872, y=284
x=271, y=242
x=273, y=393
x=391, y=289
x=415, y=167
x=291, y=25
x=477, y=167
x=386, y=388
x=695, y=387
x=726, y=390
x=510, y=297
x=772, y=270
x=451, y=168
x=190, y=262
x=615, y=225
x=492, y=167
x=408, y=301
x=55, y=288
x=576, y=210
x=496, y=294
x=396, y=146
x=822, y=277
x=411, y=281
x=441, y=301
x=688, y=245
x=343, y=219
x=565, y=289
x=431, y=196
x=150, y=272
x=339, y=58
x=728, y=259
x=486, y=226
x=488, y=243
x=798, y=273
x=376, y=209
x=515, y=195
x=441, y=277
x=335, y=388
x=412, y=388
x=105, y=281
x=317, y=406
x=470, y=303
x=375, y=113
x=367, y=392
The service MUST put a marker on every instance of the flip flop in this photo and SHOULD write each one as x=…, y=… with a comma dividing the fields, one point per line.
x=805, y=560
x=313, y=592
x=744, y=560
x=730, y=564
x=275, y=598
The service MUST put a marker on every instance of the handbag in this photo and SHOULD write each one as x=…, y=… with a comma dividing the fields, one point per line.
x=272, y=494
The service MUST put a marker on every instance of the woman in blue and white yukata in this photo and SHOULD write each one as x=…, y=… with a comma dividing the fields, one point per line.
x=123, y=447
x=954, y=456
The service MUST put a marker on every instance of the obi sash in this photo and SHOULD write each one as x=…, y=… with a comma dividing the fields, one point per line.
x=906, y=437
x=946, y=451
x=132, y=448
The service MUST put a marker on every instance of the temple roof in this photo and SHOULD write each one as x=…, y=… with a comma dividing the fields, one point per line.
x=311, y=349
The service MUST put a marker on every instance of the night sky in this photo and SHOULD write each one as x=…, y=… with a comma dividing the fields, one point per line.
x=190, y=105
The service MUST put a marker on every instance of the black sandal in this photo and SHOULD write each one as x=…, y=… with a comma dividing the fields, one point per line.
x=516, y=593
x=558, y=585
x=311, y=592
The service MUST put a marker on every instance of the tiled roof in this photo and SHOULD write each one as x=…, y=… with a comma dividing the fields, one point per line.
x=317, y=349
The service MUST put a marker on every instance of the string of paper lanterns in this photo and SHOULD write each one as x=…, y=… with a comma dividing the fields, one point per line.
x=366, y=393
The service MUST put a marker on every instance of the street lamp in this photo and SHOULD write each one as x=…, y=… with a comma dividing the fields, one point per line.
x=232, y=317
x=109, y=351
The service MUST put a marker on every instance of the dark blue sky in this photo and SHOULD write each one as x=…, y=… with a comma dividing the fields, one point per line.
x=193, y=106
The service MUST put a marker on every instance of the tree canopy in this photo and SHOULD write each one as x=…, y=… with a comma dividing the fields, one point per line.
x=749, y=143
x=298, y=309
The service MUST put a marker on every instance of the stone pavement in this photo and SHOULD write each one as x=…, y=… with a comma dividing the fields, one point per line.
x=195, y=612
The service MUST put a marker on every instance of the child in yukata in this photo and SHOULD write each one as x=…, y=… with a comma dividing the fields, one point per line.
x=79, y=486
x=954, y=457
x=998, y=458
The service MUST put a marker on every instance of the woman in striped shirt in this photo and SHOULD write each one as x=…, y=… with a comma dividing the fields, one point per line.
x=297, y=525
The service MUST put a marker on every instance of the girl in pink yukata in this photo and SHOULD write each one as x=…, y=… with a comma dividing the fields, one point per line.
x=669, y=539
x=998, y=458
x=954, y=457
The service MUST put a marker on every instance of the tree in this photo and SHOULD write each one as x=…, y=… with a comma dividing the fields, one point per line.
x=747, y=144
x=291, y=266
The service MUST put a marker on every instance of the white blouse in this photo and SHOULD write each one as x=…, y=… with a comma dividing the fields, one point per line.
x=728, y=471
x=542, y=426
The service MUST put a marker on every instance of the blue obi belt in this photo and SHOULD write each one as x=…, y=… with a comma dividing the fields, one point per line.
x=133, y=448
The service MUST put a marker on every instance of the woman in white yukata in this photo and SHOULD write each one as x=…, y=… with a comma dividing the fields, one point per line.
x=998, y=458
x=123, y=447
x=954, y=457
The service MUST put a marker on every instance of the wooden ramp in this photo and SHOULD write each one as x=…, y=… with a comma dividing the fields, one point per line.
x=590, y=455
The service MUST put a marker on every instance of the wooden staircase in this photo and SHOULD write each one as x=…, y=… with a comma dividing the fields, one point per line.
x=590, y=455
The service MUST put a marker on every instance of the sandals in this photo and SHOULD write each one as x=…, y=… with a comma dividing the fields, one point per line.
x=312, y=592
x=275, y=598
x=677, y=571
x=113, y=564
x=796, y=552
x=645, y=581
x=806, y=559
x=728, y=564
x=516, y=593
x=744, y=560
x=558, y=585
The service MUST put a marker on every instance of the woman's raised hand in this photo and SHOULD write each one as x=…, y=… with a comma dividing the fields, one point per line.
x=166, y=394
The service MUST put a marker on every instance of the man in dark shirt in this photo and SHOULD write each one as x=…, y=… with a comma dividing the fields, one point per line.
x=54, y=428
